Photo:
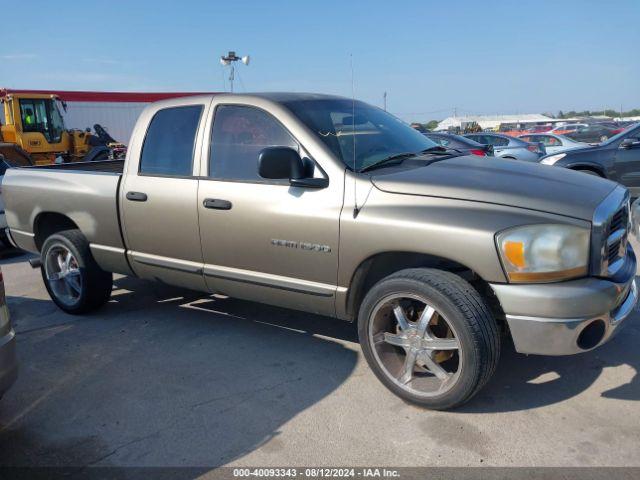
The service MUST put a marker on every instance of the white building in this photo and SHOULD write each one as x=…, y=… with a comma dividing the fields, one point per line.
x=628, y=119
x=117, y=112
x=493, y=121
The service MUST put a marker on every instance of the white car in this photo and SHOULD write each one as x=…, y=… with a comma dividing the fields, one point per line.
x=553, y=143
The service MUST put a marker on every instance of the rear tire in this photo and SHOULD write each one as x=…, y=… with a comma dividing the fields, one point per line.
x=72, y=277
x=429, y=337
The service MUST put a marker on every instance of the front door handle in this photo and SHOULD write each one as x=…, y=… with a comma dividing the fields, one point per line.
x=217, y=204
x=137, y=196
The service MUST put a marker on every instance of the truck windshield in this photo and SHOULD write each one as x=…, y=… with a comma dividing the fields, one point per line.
x=359, y=134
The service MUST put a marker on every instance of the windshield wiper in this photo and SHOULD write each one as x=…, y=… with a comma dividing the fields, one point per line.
x=393, y=159
x=388, y=160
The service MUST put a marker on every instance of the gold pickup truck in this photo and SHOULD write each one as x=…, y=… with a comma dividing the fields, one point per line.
x=329, y=205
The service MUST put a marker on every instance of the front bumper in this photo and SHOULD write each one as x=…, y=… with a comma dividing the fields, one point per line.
x=8, y=361
x=567, y=317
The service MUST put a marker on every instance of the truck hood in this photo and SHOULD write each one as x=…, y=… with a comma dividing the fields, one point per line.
x=504, y=182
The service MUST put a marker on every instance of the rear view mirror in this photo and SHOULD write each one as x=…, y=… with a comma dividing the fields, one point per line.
x=280, y=163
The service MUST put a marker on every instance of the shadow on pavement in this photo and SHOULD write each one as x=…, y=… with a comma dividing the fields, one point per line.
x=163, y=376
x=10, y=256
x=529, y=381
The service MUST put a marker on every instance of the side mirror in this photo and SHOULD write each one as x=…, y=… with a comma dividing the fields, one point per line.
x=629, y=143
x=285, y=163
x=280, y=163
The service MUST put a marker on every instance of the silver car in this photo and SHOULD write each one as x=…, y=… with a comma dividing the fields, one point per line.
x=505, y=146
x=552, y=142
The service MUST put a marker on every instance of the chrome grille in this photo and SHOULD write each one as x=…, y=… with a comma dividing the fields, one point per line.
x=610, y=232
x=620, y=219
x=617, y=239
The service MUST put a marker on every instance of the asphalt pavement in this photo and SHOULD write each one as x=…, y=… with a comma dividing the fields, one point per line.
x=167, y=377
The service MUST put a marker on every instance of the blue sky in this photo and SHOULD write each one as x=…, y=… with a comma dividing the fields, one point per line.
x=481, y=57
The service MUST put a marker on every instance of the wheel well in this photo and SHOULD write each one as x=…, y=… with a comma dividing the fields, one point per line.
x=375, y=268
x=48, y=223
x=587, y=167
x=510, y=157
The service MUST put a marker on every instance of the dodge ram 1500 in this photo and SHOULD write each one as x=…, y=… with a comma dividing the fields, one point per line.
x=328, y=205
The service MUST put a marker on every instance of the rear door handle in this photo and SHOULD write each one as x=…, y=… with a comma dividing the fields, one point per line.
x=217, y=204
x=137, y=196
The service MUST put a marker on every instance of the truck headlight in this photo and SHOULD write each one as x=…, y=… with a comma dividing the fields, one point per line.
x=552, y=159
x=544, y=253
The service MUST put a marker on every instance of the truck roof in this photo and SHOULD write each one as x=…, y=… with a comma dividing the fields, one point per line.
x=288, y=96
x=276, y=97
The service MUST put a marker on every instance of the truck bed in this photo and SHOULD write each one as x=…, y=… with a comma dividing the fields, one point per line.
x=84, y=193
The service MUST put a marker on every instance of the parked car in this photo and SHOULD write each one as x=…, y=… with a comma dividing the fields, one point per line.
x=294, y=200
x=8, y=359
x=594, y=133
x=509, y=147
x=552, y=143
x=510, y=129
x=617, y=159
x=567, y=128
x=539, y=129
x=460, y=144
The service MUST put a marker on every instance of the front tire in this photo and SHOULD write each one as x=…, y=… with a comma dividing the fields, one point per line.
x=429, y=337
x=72, y=277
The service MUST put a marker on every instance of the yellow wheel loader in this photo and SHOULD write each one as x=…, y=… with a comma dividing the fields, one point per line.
x=34, y=133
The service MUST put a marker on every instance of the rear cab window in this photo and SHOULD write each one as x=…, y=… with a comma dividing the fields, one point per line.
x=168, y=147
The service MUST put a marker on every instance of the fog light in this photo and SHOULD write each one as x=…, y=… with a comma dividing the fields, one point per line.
x=591, y=335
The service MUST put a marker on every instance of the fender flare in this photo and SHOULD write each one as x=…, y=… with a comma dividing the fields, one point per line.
x=587, y=166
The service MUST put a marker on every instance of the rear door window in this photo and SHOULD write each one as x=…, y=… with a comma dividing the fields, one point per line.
x=169, y=144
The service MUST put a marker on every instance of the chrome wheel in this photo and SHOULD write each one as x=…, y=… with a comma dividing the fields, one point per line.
x=63, y=274
x=416, y=347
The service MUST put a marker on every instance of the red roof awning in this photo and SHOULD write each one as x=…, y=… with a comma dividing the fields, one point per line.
x=84, y=96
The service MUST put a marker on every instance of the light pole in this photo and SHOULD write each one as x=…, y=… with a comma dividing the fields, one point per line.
x=229, y=59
